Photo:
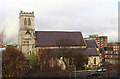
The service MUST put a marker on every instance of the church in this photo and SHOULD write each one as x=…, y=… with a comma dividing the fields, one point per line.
x=30, y=40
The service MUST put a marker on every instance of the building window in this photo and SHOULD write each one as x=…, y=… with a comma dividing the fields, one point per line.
x=106, y=56
x=110, y=61
x=94, y=60
x=116, y=52
x=106, y=51
x=114, y=46
x=111, y=56
x=29, y=21
x=25, y=22
x=39, y=50
x=111, y=52
x=70, y=61
x=30, y=52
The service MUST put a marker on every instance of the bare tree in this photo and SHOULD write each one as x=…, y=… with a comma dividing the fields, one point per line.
x=3, y=37
x=12, y=62
x=71, y=56
x=108, y=66
x=47, y=60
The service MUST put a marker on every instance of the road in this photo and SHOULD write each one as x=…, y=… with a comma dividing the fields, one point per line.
x=76, y=75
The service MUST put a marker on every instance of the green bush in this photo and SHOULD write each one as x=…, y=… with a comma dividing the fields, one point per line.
x=33, y=60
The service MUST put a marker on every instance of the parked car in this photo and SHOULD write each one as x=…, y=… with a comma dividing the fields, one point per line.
x=101, y=70
x=93, y=74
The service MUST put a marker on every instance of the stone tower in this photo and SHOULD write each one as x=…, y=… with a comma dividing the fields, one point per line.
x=26, y=38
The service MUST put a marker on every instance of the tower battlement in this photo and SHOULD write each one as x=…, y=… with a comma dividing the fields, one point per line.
x=26, y=13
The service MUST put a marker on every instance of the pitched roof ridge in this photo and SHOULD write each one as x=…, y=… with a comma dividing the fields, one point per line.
x=61, y=31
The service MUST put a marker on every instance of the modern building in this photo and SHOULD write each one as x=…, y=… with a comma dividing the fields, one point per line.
x=115, y=45
x=112, y=52
x=111, y=56
x=101, y=42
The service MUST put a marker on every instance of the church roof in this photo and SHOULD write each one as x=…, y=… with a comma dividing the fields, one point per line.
x=91, y=52
x=86, y=51
x=55, y=38
x=91, y=43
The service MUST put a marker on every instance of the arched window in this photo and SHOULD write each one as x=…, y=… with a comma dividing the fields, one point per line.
x=94, y=60
x=29, y=21
x=30, y=52
x=39, y=50
x=25, y=22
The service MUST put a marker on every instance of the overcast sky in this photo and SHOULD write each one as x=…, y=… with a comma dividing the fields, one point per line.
x=88, y=16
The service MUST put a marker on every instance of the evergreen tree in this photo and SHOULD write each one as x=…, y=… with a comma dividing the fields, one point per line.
x=33, y=59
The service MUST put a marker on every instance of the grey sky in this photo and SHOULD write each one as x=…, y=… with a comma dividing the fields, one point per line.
x=87, y=16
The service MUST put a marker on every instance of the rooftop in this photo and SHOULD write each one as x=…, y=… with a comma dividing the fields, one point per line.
x=55, y=38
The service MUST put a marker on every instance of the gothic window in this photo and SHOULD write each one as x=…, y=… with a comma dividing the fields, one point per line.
x=30, y=52
x=94, y=60
x=70, y=61
x=25, y=22
x=29, y=21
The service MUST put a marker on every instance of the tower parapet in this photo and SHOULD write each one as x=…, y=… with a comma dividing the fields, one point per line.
x=30, y=14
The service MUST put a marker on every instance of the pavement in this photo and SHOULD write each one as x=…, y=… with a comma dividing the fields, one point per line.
x=85, y=70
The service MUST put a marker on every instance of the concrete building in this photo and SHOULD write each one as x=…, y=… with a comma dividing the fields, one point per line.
x=111, y=56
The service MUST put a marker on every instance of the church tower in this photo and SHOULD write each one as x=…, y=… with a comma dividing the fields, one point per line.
x=26, y=38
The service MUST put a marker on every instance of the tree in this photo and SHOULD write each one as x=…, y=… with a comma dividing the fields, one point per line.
x=12, y=61
x=47, y=60
x=33, y=60
x=71, y=56
x=48, y=57
x=80, y=59
x=108, y=66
